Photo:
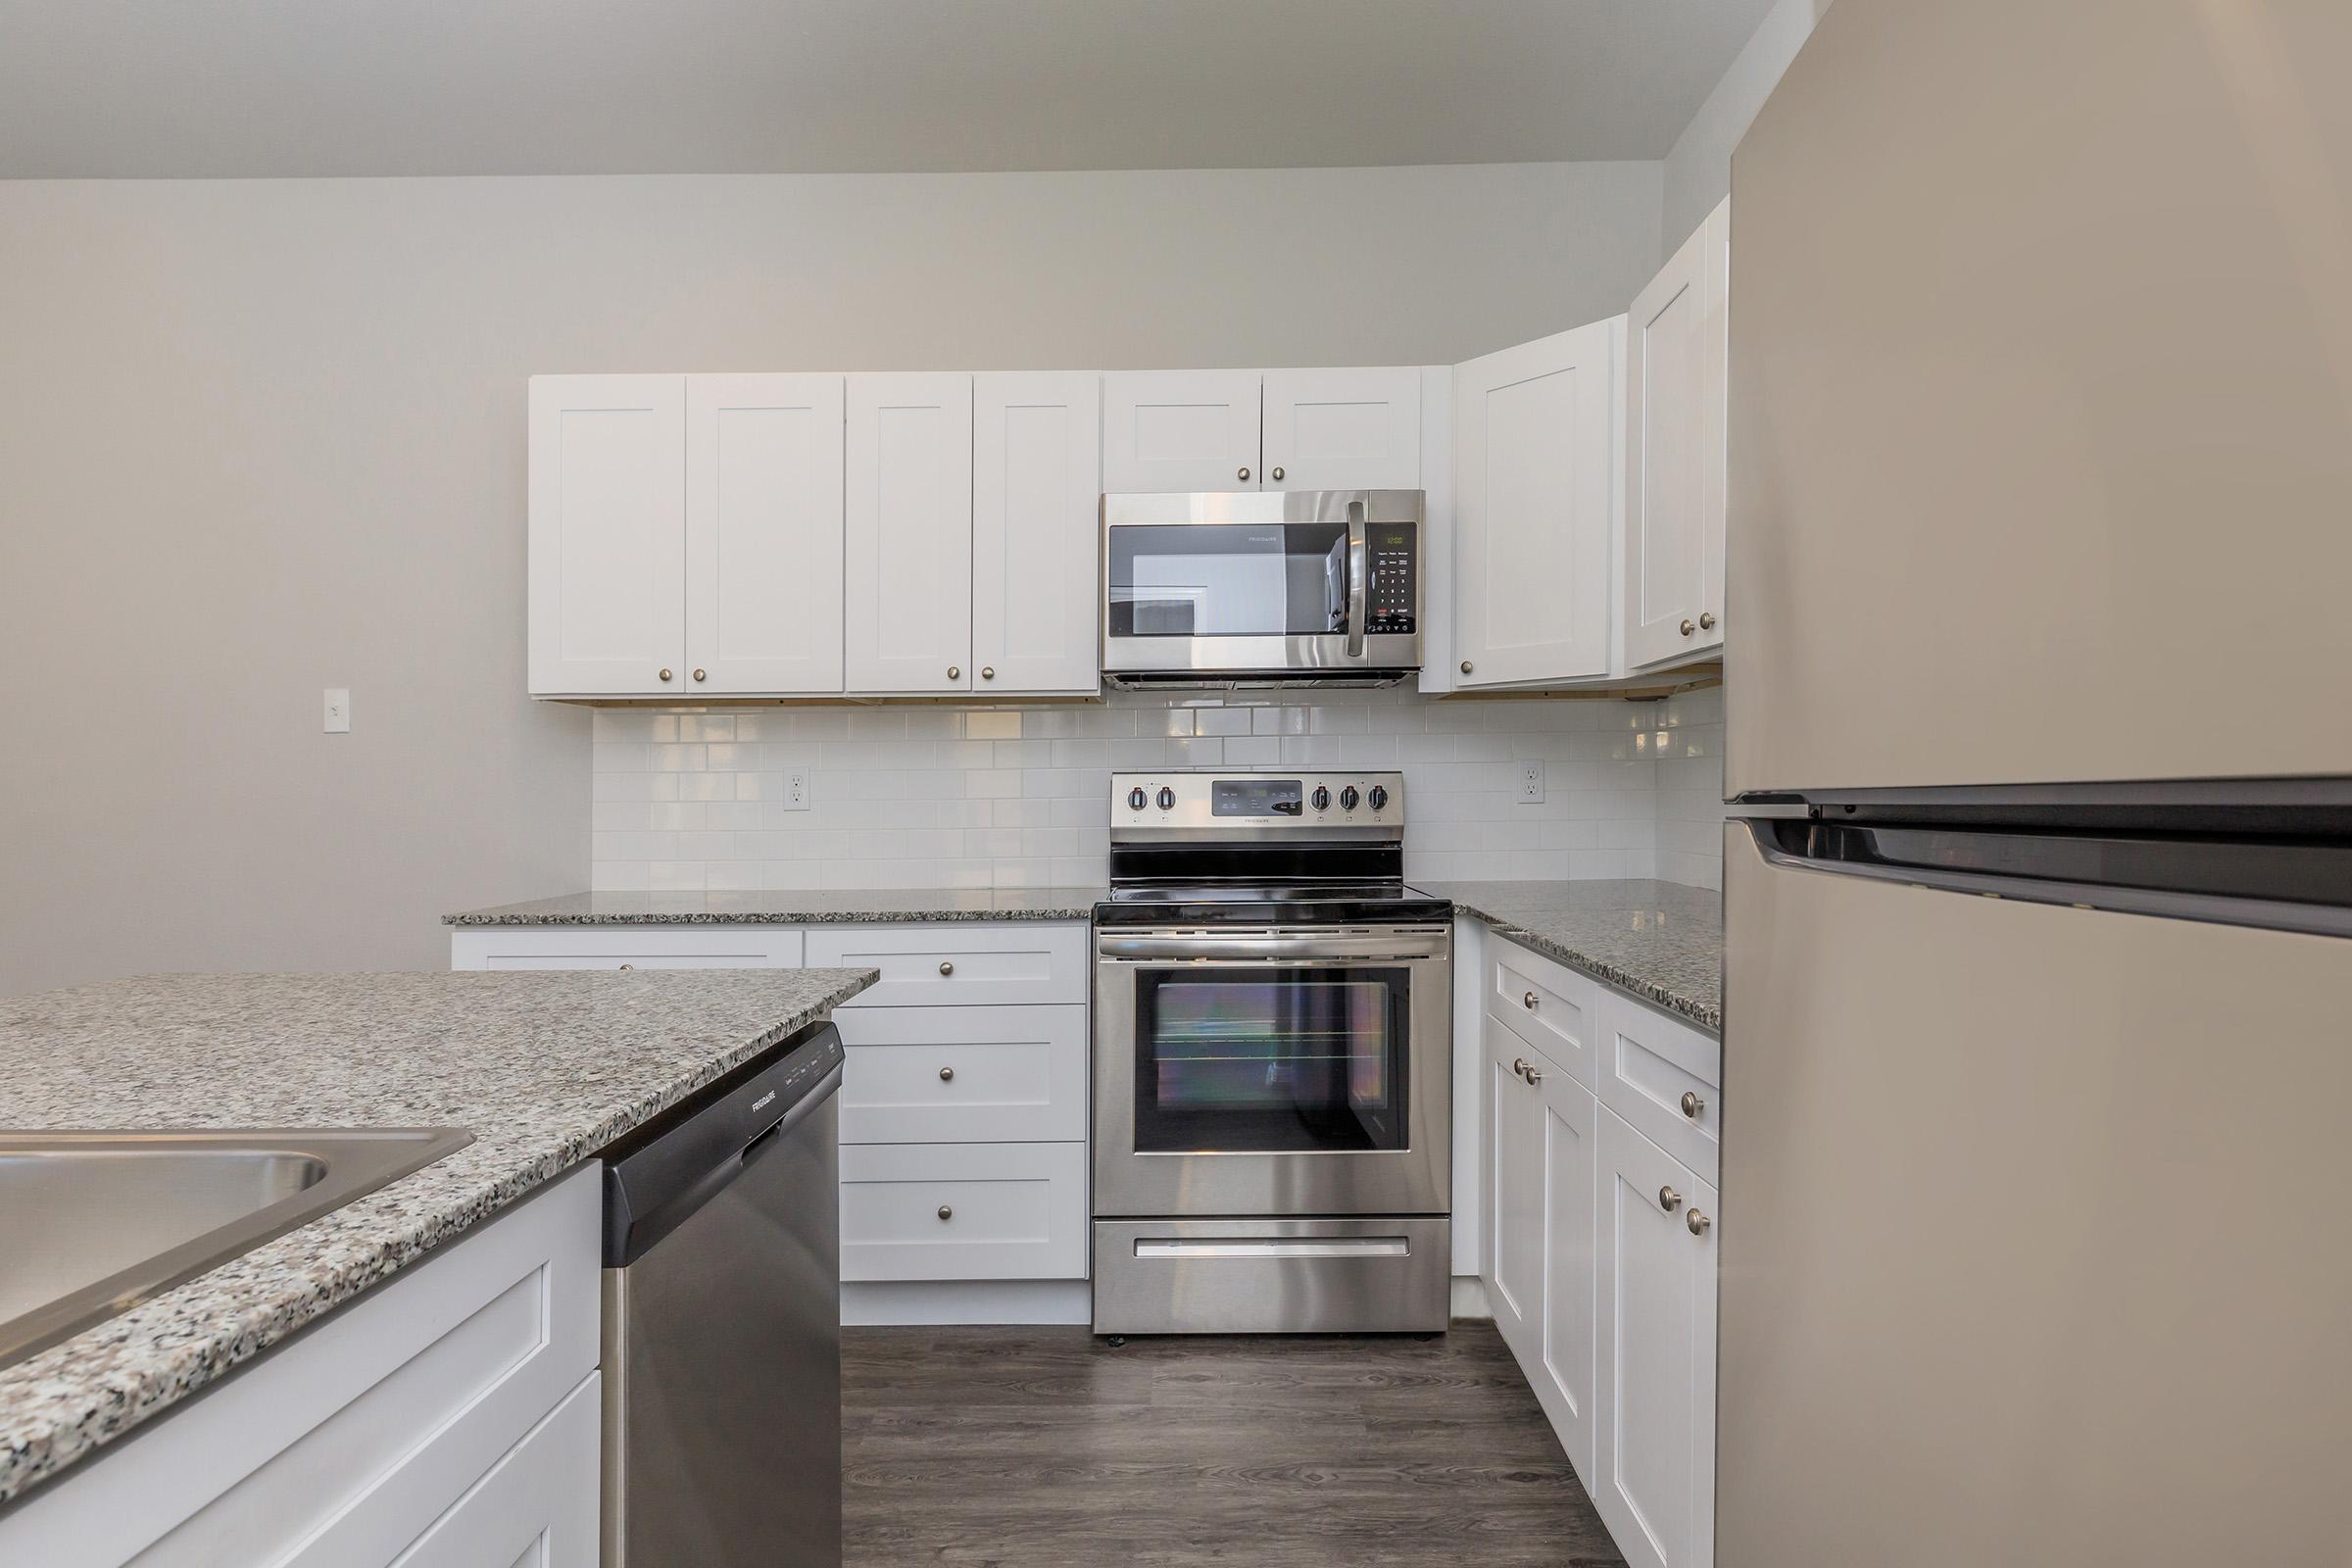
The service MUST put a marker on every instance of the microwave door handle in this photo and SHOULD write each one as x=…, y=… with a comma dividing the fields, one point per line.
x=1359, y=570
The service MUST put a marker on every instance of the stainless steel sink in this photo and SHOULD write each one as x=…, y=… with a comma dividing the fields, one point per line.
x=93, y=1223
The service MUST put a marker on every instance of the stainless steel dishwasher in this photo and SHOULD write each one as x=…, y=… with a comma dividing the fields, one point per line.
x=723, y=1321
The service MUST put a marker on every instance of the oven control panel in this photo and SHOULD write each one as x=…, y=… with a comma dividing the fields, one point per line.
x=1251, y=804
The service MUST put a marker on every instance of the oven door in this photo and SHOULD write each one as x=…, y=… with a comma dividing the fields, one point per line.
x=1273, y=1072
x=1261, y=582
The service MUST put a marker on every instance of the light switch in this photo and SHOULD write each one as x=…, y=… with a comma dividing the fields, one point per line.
x=338, y=710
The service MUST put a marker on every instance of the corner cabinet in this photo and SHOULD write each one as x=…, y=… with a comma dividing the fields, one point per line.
x=907, y=619
x=1675, y=398
x=1598, y=1118
x=1537, y=488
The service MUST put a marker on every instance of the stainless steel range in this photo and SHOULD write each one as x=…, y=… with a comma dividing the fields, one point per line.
x=1273, y=1062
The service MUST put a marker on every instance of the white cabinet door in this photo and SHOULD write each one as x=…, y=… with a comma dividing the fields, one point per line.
x=908, y=605
x=1536, y=486
x=763, y=531
x=1562, y=1372
x=1654, y=1447
x=1513, y=1193
x=1674, y=454
x=607, y=534
x=1037, y=488
x=1180, y=430
x=538, y=1507
x=1347, y=429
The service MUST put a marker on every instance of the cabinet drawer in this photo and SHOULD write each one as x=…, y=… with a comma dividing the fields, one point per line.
x=1013, y=1211
x=1664, y=1078
x=954, y=965
x=693, y=946
x=963, y=1075
x=1547, y=1005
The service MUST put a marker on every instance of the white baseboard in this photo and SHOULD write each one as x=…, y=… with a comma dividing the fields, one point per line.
x=1470, y=1297
x=907, y=1302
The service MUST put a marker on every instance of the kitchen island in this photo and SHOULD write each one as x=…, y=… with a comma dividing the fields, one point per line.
x=544, y=1069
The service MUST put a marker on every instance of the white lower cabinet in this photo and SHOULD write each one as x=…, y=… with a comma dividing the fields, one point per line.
x=1599, y=1254
x=451, y=1417
x=962, y=1211
x=686, y=946
x=1654, y=1453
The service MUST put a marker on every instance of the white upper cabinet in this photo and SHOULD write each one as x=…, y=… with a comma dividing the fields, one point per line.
x=1180, y=430
x=1037, y=485
x=1349, y=430
x=1655, y=1432
x=607, y=535
x=1536, y=494
x=764, y=534
x=1674, y=453
x=907, y=557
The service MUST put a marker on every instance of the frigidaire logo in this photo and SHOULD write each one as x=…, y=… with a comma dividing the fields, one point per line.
x=763, y=1100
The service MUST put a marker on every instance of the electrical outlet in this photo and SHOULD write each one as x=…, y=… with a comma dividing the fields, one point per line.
x=1531, y=781
x=796, y=790
x=338, y=711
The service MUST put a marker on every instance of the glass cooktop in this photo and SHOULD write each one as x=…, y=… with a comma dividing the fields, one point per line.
x=1268, y=904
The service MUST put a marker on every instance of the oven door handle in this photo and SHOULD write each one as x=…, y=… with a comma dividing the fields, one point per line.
x=1211, y=948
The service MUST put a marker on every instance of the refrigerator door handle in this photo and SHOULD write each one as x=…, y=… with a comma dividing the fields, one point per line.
x=2303, y=887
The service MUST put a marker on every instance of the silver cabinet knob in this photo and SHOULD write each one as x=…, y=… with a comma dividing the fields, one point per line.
x=1529, y=1000
x=701, y=675
x=666, y=675
x=955, y=672
x=628, y=966
x=1669, y=1200
x=1689, y=625
x=946, y=968
x=1706, y=620
x=1519, y=1066
x=1465, y=666
x=1693, y=1105
x=946, y=1212
x=1243, y=473
x=1697, y=1222
x=1275, y=474
x=1534, y=1074
x=988, y=672
x=946, y=1075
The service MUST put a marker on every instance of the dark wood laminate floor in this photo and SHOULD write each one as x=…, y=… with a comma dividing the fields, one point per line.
x=1046, y=1448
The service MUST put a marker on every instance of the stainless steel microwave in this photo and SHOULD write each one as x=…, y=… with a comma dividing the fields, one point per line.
x=1262, y=588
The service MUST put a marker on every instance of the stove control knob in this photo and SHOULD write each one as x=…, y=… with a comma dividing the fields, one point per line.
x=1379, y=796
x=1134, y=798
x=1168, y=799
x=1349, y=798
x=1322, y=797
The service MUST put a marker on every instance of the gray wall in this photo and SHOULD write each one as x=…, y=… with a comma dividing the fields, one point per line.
x=262, y=437
x=1698, y=168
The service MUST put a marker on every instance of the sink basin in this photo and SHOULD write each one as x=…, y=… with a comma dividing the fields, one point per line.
x=93, y=1223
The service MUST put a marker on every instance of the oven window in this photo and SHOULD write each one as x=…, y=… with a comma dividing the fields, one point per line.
x=1253, y=1061
x=1228, y=579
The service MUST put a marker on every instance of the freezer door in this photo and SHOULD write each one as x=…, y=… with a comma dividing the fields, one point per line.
x=2040, y=418
x=2031, y=1232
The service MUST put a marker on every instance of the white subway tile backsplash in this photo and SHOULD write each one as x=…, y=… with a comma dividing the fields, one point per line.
x=1019, y=797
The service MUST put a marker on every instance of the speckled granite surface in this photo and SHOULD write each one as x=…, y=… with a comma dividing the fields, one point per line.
x=864, y=906
x=1661, y=941
x=544, y=1068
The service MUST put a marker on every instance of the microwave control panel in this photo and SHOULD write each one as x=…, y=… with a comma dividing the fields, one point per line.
x=1395, y=590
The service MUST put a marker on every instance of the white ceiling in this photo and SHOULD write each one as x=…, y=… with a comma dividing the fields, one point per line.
x=259, y=87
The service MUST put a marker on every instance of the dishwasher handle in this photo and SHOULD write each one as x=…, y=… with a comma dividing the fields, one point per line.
x=659, y=1176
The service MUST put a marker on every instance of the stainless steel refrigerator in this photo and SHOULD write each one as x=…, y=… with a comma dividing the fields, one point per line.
x=2038, y=1097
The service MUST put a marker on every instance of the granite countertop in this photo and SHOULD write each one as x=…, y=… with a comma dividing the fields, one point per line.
x=863, y=907
x=544, y=1068
x=1660, y=941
